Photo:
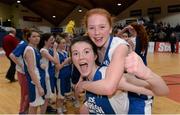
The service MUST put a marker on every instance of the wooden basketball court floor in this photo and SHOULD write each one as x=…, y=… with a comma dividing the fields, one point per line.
x=166, y=65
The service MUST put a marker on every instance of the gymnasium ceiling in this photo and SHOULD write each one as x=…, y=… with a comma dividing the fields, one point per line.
x=62, y=8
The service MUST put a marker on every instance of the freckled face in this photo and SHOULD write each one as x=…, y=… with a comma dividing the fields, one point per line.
x=98, y=29
x=83, y=58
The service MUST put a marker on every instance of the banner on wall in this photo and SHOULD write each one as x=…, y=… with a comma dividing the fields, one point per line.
x=151, y=47
x=162, y=47
x=32, y=19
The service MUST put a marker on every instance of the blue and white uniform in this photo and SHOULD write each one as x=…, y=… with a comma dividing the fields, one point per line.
x=113, y=43
x=63, y=81
x=35, y=98
x=51, y=71
x=102, y=104
x=139, y=103
x=45, y=62
x=18, y=52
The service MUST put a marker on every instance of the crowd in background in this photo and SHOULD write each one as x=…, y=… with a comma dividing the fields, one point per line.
x=158, y=32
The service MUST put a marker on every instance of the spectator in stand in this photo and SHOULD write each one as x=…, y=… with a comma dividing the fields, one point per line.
x=173, y=42
x=9, y=43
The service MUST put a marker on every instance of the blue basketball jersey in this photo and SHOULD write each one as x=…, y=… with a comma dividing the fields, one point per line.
x=18, y=52
x=114, y=42
x=51, y=71
x=39, y=72
x=102, y=104
x=66, y=70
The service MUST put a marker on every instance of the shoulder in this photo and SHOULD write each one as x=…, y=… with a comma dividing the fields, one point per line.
x=117, y=43
x=43, y=50
x=28, y=49
x=117, y=40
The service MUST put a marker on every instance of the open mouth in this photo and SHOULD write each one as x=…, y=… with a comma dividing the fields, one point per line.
x=83, y=67
x=99, y=40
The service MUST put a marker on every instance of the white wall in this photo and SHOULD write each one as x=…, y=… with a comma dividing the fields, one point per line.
x=172, y=18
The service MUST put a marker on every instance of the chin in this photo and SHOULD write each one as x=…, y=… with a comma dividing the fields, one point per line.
x=84, y=74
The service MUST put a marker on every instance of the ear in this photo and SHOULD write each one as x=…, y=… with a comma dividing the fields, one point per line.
x=110, y=31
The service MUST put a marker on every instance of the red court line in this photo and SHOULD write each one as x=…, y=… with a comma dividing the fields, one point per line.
x=174, y=86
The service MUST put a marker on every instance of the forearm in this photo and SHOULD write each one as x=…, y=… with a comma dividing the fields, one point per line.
x=14, y=59
x=100, y=87
x=55, y=56
x=34, y=78
x=133, y=88
x=136, y=81
x=157, y=84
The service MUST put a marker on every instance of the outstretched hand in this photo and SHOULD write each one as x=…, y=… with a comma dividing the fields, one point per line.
x=135, y=65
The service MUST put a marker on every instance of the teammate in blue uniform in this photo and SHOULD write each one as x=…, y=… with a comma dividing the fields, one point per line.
x=35, y=74
x=139, y=103
x=84, y=54
x=17, y=57
x=46, y=43
x=63, y=74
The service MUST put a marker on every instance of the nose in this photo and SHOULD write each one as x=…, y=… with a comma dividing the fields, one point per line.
x=81, y=55
x=96, y=31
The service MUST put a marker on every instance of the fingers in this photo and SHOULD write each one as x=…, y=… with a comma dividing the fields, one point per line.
x=131, y=62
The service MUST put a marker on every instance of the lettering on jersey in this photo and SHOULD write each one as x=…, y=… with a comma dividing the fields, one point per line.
x=93, y=108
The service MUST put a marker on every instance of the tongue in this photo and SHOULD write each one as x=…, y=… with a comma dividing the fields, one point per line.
x=84, y=68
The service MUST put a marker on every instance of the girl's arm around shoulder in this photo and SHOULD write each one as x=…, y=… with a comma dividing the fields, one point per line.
x=114, y=72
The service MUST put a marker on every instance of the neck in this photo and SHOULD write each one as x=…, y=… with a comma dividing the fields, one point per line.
x=91, y=76
x=60, y=50
x=46, y=47
x=12, y=34
x=32, y=45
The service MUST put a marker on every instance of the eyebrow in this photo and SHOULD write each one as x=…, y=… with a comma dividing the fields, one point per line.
x=83, y=49
x=98, y=25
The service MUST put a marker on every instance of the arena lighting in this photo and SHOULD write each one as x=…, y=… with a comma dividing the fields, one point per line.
x=18, y=1
x=119, y=4
x=54, y=16
x=79, y=10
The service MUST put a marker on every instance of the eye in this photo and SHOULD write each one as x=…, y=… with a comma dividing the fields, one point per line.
x=91, y=28
x=87, y=51
x=75, y=53
x=102, y=27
